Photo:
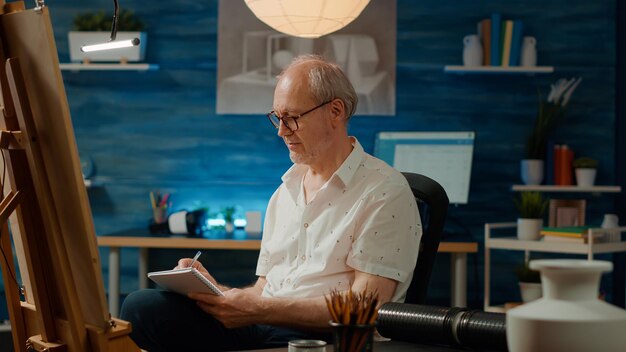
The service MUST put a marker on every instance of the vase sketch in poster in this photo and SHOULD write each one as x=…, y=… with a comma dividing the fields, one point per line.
x=251, y=54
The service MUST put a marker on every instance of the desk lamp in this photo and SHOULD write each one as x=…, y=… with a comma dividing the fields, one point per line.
x=112, y=43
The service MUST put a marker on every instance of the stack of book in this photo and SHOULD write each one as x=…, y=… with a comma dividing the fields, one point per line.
x=570, y=234
x=501, y=40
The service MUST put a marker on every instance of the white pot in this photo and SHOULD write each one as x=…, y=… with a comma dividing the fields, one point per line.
x=585, y=177
x=569, y=317
x=530, y=291
x=131, y=54
x=529, y=229
x=229, y=227
x=531, y=171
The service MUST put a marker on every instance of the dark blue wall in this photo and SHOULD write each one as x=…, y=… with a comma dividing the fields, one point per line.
x=159, y=130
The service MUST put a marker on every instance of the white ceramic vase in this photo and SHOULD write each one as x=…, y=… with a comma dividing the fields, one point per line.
x=569, y=317
x=529, y=229
x=585, y=177
x=531, y=171
x=472, y=51
x=528, y=56
x=610, y=222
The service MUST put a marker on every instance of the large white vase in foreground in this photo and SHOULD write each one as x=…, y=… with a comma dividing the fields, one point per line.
x=569, y=317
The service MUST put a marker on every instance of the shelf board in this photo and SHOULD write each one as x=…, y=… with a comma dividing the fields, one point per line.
x=571, y=189
x=108, y=67
x=497, y=69
x=91, y=183
x=512, y=243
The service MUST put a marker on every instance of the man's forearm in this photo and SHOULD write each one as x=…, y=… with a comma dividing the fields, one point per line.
x=305, y=313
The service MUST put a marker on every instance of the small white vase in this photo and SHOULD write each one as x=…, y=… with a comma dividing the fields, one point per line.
x=528, y=56
x=529, y=229
x=585, y=177
x=531, y=171
x=610, y=222
x=569, y=317
x=229, y=227
x=472, y=51
x=530, y=291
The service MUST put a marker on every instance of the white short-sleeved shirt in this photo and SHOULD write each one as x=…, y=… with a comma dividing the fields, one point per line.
x=365, y=218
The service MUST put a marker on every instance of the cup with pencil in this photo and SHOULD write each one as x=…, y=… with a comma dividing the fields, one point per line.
x=160, y=206
x=353, y=317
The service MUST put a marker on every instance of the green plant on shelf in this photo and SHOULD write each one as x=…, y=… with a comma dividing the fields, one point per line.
x=585, y=162
x=526, y=274
x=99, y=21
x=549, y=115
x=229, y=214
x=531, y=205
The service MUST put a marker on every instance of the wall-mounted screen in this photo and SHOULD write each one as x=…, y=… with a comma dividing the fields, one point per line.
x=446, y=157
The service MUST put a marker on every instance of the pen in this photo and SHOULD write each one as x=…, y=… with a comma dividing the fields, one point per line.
x=195, y=258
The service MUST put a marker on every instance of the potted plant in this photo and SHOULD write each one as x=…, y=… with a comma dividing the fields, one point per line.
x=94, y=28
x=531, y=207
x=585, y=169
x=229, y=219
x=529, y=282
x=549, y=115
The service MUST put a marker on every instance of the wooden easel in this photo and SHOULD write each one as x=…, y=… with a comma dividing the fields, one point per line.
x=62, y=306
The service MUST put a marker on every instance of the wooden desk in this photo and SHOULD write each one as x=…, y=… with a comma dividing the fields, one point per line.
x=458, y=264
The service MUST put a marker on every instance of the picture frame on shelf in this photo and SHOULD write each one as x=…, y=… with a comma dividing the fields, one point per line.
x=567, y=212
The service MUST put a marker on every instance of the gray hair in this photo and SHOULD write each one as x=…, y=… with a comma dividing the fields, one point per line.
x=327, y=81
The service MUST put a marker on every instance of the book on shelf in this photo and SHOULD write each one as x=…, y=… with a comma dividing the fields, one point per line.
x=496, y=23
x=549, y=165
x=484, y=32
x=582, y=240
x=566, y=231
x=507, y=36
x=516, y=43
x=563, y=158
x=567, y=157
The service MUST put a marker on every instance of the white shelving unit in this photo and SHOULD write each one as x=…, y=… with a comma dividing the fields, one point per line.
x=570, y=189
x=108, y=67
x=512, y=243
x=498, y=69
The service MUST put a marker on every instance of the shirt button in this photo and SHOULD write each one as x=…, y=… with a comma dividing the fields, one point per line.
x=306, y=225
x=288, y=281
x=303, y=257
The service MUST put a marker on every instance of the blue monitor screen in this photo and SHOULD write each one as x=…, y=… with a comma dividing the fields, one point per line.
x=446, y=157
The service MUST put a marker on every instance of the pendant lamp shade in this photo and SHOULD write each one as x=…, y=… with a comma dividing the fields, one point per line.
x=307, y=18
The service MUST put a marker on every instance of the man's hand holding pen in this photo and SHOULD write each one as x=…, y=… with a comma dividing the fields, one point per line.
x=194, y=263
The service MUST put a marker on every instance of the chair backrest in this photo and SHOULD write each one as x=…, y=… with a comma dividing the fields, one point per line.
x=432, y=202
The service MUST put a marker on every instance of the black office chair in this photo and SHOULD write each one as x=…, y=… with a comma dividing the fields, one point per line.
x=432, y=202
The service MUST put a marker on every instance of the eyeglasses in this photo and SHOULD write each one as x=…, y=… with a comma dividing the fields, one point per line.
x=291, y=122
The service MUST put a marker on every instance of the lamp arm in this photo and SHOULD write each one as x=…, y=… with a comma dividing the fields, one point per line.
x=116, y=10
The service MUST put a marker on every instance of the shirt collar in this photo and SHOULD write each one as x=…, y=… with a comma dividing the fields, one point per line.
x=293, y=177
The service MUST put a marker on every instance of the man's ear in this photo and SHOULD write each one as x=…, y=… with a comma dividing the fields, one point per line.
x=338, y=111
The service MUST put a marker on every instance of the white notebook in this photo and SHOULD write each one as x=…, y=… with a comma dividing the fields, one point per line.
x=184, y=281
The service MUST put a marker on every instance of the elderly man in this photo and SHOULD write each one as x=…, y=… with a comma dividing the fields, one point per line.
x=341, y=219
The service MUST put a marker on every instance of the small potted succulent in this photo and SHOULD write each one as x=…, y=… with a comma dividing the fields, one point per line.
x=95, y=28
x=585, y=169
x=531, y=207
x=529, y=282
